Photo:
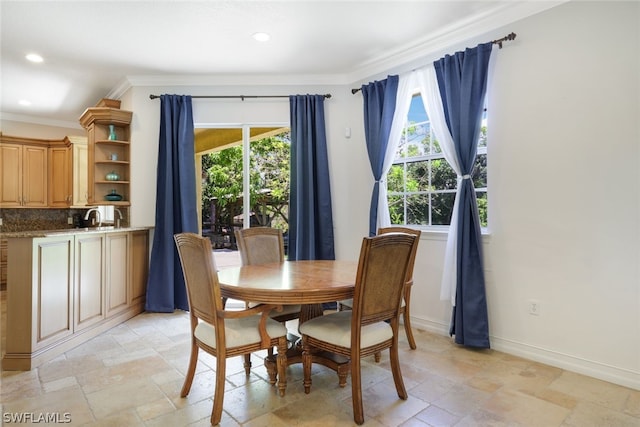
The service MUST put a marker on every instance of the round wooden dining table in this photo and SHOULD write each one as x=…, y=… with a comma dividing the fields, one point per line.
x=309, y=283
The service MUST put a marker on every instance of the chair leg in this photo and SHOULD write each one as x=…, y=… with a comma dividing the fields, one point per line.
x=395, y=370
x=281, y=360
x=191, y=370
x=356, y=391
x=218, y=396
x=306, y=366
x=272, y=369
x=343, y=371
x=407, y=321
x=247, y=364
x=377, y=355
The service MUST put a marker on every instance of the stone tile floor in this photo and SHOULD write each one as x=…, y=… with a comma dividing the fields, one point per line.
x=132, y=375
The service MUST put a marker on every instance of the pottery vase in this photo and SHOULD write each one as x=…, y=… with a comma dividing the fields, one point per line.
x=112, y=133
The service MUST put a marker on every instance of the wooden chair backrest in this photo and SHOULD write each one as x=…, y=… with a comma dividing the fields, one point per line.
x=260, y=245
x=200, y=276
x=382, y=274
x=412, y=231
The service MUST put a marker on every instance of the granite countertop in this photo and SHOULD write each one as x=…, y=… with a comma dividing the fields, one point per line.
x=67, y=231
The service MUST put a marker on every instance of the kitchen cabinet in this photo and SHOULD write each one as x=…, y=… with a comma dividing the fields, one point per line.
x=117, y=272
x=108, y=137
x=60, y=175
x=89, y=280
x=68, y=287
x=80, y=172
x=3, y=264
x=35, y=173
x=23, y=173
x=139, y=266
x=39, y=300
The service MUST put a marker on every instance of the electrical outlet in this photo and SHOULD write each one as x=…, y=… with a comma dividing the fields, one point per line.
x=70, y=220
x=534, y=308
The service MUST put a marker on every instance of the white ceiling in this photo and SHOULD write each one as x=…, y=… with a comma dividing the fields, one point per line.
x=93, y=49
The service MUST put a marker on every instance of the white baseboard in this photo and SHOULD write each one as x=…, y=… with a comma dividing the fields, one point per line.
x=612, y=374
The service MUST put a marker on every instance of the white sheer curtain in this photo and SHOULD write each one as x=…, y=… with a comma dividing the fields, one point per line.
x=428, y=85
x=424, y=80
x=406, y=86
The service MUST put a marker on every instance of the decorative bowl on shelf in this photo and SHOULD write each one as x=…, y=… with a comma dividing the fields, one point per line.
x=113, y=196
x=112, y=176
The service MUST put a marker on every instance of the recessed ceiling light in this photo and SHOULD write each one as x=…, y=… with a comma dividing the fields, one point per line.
x=261, y=37
x=24, y=102
x=34, y=57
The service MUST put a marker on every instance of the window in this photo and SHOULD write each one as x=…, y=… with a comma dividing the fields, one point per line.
x=232, y=193
x=421, y=184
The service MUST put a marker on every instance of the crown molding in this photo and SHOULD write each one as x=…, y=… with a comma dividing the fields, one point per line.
x=450, y=37
x=237, y=79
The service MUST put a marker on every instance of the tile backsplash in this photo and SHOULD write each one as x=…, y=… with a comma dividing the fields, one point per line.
x=44, y=219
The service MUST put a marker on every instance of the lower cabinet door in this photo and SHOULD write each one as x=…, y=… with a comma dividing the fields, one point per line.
x=139, y=257
x=89, y=283
x=117, y=272
x=53, y=289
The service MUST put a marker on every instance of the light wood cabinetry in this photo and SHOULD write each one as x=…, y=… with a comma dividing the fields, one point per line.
x=61, y=175
x=35, y=173
x=54, y=284
x=39, y=300
x=3, y=263
x=89, y=280
x=68, y=288
x=11, y=175
x=23, y=173
x=139, y=266
x=108, y=136
x=80, y=173
x=117, y=272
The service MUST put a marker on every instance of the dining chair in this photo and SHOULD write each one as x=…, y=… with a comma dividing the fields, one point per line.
x=263, y=245
x=406, y=300
x=219, y=332
x=372, y=324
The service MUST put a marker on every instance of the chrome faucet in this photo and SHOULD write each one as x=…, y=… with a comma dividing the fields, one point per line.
x=119, y=217
x=98, y=218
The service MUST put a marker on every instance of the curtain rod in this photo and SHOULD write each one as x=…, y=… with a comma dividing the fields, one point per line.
x=242, y=97
x=508, y=37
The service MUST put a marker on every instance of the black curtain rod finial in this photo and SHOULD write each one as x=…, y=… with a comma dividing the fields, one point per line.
x=508, y=37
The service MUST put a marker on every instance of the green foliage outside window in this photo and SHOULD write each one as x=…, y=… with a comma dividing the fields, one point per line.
x=421, y=184
x=268, y=177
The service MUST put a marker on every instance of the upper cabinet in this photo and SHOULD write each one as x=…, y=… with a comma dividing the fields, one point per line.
x=60, y=174
x=80, y=171
x=23, y=172
x=39, y=173
x=108, y=137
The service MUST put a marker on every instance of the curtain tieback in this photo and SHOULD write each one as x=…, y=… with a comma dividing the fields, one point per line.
x=461, y=177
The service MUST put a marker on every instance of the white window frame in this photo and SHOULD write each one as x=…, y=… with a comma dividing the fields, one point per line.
x=404, y=161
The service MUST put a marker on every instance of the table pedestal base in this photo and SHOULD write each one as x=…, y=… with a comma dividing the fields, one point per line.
x=340, y=364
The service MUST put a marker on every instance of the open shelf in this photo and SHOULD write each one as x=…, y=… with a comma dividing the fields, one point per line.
x=108, y=134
